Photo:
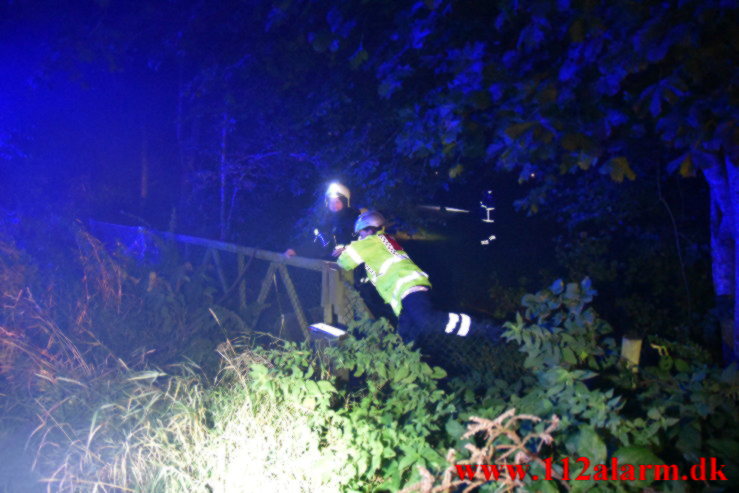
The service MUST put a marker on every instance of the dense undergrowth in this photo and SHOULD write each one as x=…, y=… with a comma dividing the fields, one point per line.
x=368, y=414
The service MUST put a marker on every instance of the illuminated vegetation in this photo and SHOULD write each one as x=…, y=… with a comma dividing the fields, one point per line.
x=367, y=415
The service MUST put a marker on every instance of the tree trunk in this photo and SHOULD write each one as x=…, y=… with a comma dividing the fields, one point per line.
x=222, y=185
x=182, y=178
x=144, y=185
x=733, y=174
x=723, y=181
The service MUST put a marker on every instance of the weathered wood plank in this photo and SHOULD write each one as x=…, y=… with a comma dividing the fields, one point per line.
x=293, y=295
x=241, y=268
x=302, y=262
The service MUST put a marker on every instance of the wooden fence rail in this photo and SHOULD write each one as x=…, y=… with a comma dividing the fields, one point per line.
x=335, y=303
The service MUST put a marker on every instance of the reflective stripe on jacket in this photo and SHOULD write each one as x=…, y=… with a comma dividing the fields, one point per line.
x=388, y=267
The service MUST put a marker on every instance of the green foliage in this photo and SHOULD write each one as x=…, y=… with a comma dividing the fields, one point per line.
x=72, y=309
x=158, y=312
x=148, y=430
x=370, y=415
x=685, y=390
x=392, y=411
x=151, y=431
x=566, y=333
x=546, y=89
x=605, y=411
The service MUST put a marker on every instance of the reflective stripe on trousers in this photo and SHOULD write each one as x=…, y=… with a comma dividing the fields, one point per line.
x=459, y=322
x=419, y=317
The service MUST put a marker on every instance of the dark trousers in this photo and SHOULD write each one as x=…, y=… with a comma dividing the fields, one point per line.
x=372, y=299
x=445, y=339
x=418, y=318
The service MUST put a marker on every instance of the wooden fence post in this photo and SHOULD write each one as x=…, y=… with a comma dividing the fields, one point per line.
x=219, y=271
x=294, y=300
x=328, y=314
x=631, y=353
x=242, y=284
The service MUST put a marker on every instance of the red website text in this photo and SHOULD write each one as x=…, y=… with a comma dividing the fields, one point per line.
x=707, y=469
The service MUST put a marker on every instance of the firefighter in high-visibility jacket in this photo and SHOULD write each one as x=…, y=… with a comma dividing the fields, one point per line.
x=403, y=285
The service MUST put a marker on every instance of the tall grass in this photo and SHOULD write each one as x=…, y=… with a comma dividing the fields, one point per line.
x=148, y=431
x=70, y=313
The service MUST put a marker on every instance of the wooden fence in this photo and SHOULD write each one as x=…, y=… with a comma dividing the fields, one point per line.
x=337, y=304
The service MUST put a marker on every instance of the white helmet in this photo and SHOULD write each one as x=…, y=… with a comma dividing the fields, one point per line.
x=336, y=189
x=369, y=219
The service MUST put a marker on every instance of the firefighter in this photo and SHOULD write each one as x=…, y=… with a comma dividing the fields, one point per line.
x=336, y=230
x=403, y=285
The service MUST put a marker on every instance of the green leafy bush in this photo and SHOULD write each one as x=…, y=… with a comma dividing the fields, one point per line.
x=389, y=408
x=370, y=415
x=675, y=412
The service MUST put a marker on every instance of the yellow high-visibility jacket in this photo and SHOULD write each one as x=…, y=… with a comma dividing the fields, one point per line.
x=389, y=268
